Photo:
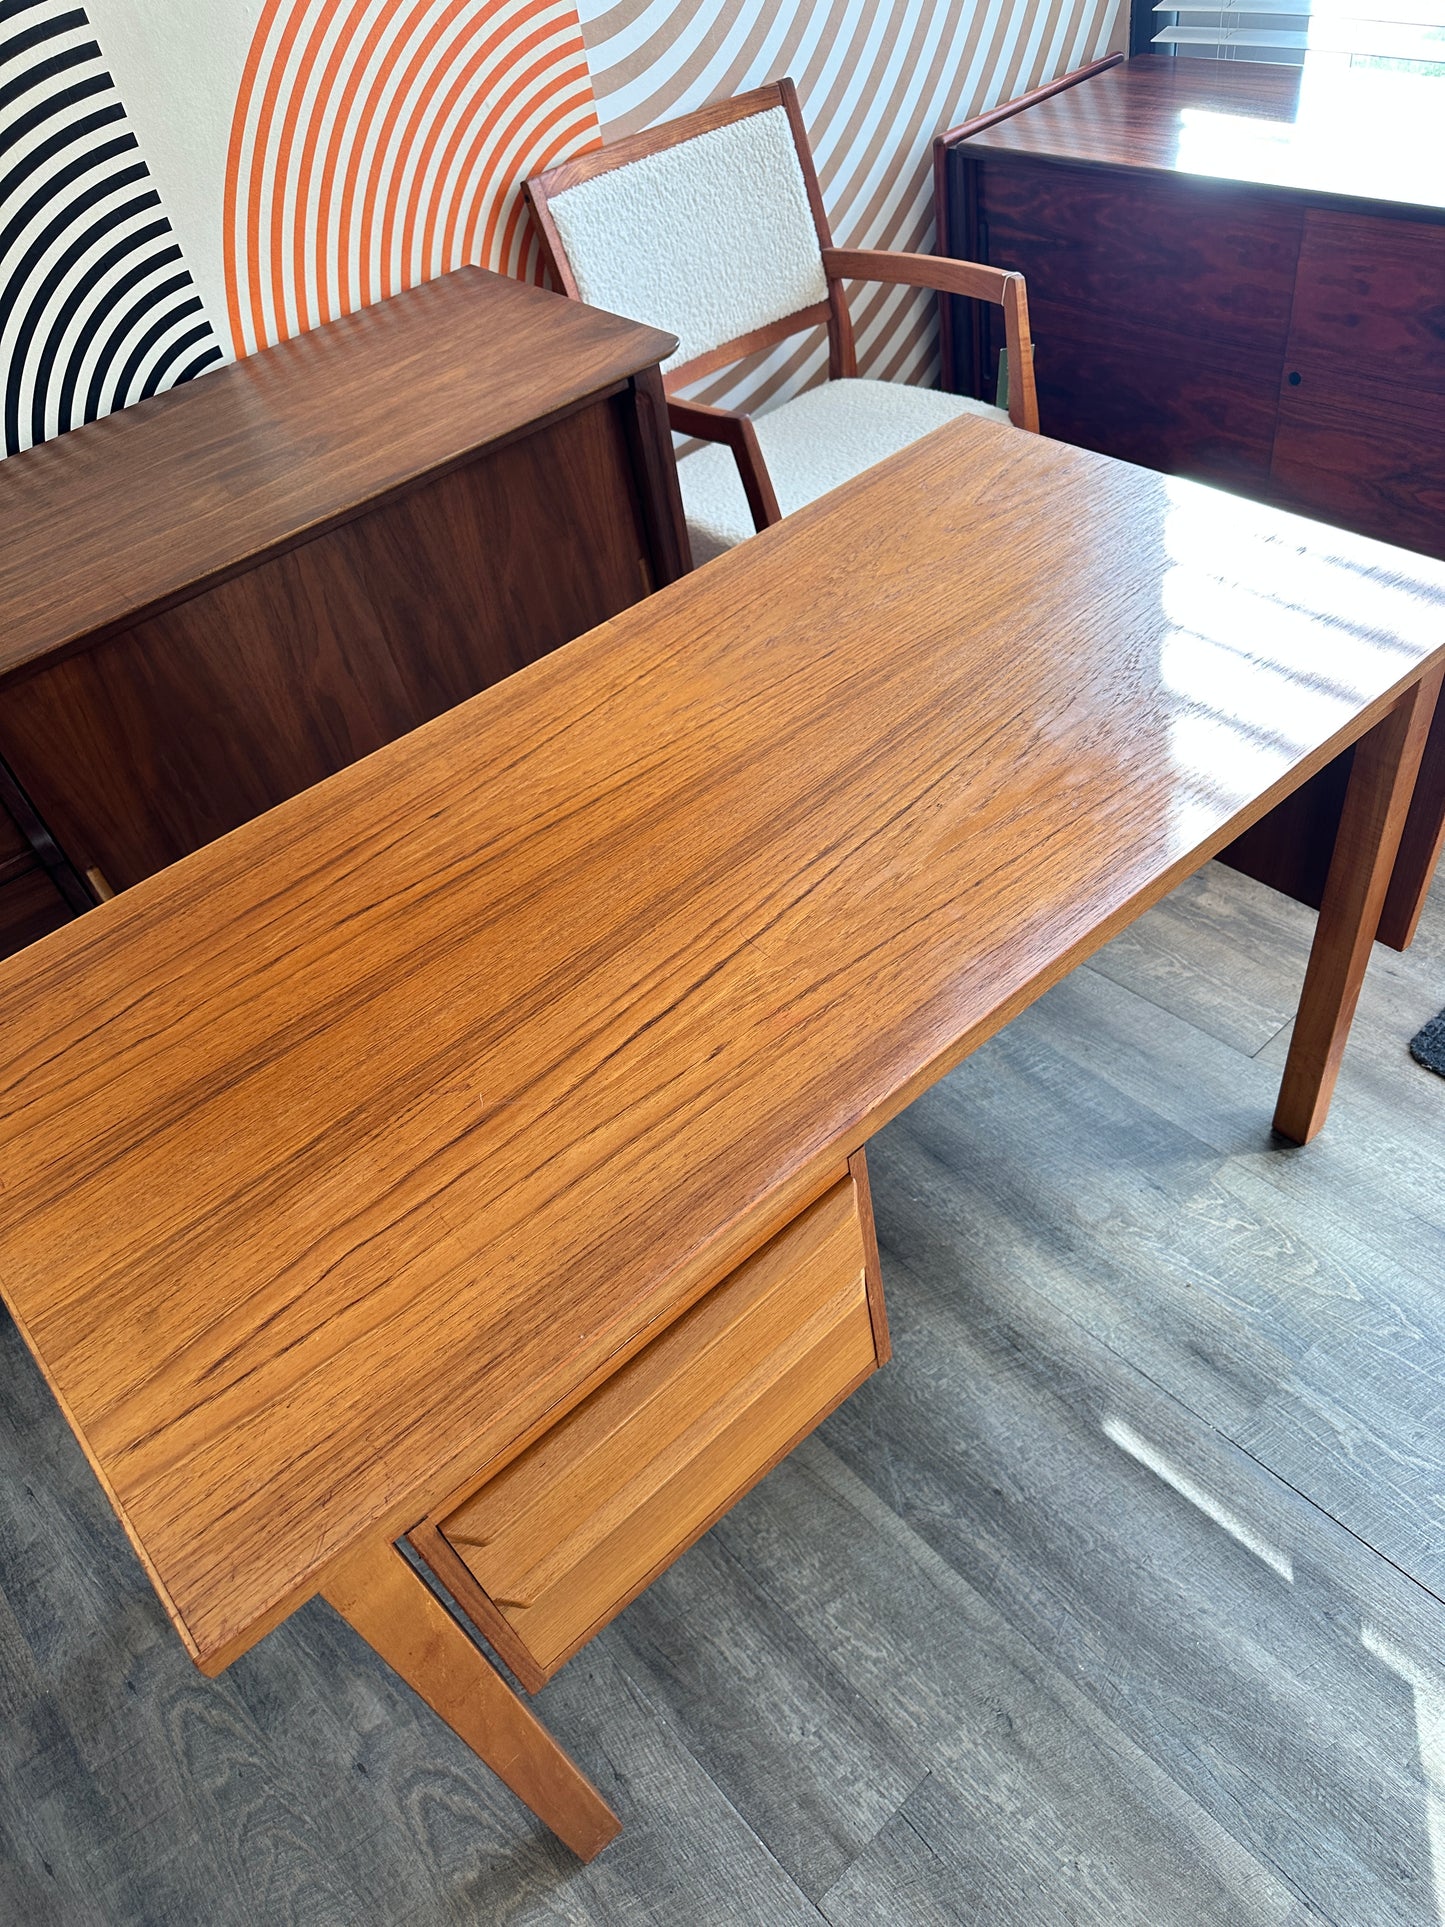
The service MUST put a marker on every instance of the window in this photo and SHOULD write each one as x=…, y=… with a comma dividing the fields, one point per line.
x=1400, y=36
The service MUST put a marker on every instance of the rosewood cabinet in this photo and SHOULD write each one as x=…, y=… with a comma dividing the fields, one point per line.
x=1237, y=277
x=221, y=596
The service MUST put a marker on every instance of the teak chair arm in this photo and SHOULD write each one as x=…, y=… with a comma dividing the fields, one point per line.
x=726, y=425
x=968, y=278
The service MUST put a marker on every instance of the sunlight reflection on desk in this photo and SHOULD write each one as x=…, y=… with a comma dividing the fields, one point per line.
x=1246, y=601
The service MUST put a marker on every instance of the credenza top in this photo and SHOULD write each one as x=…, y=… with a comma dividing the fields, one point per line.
x=1327, y=129
x=132, y=513
x=342, y=1153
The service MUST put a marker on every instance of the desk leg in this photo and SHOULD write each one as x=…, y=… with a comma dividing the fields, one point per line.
x=1382, y=780
x=381, y=1597
x=1421, y=843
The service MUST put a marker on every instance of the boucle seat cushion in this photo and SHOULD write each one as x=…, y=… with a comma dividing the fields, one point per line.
x=814, y=442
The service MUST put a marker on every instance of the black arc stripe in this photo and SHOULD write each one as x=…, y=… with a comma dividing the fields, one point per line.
x=56, y=143
x=120, y=331
x=62, y=178
x=97, y=306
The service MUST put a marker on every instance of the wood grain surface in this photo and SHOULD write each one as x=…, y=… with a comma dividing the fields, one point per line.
x=1244, y=124
x=572, y=1530
x=382, y=1596
x=187, y=487
x=1236, y=281
x=166, y=734
x=1382, y=781
x=338, y=1155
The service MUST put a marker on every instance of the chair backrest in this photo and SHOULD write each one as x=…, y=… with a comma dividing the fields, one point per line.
x=711, y=226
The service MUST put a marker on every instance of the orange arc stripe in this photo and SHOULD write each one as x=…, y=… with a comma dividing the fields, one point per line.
x=487, y=50
x=563, y=123
x=373, y=106
x=487, y=138
x=579, y=138
x=235, y=155
x=311, y=300
x=521, y=97
x=396, y=118
x=259, y=155
x=399, y=152
x=532, y=266
x=328, y=207
x=279, y=173
x=461, y=81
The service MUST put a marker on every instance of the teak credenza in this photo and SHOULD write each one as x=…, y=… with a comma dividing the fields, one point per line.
x=220, y=596
x=1236, y=272
x=470, y=1151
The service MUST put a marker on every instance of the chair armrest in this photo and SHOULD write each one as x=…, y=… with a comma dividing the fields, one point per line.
x=727, y=425
x=974, y=281
x=937, y=271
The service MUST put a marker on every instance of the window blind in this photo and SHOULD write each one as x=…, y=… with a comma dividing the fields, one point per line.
x=1404, y=35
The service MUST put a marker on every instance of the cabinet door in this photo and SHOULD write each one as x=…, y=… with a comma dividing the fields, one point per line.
x=151, y=743
x=1361, y=437
x=1160, y=310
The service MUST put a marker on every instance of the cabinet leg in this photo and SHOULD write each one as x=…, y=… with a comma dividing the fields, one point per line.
x=1382, y=780
x=381, y=1597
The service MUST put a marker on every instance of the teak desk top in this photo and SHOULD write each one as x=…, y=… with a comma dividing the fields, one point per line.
x=336, y=1156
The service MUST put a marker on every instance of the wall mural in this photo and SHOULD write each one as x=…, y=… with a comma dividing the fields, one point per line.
x=374, y=146
x=97, y=307
x=183, y=183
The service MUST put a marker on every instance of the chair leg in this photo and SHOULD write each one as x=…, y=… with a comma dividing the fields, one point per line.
x=379, y=1594
x=1382, y=780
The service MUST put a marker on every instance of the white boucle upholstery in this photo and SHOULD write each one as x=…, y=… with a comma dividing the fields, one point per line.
x=810, y=444
x=709, y=239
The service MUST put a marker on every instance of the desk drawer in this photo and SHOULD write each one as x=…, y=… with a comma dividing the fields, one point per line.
x=561, y=1539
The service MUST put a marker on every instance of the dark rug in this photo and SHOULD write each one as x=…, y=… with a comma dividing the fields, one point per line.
x=1427, y=1046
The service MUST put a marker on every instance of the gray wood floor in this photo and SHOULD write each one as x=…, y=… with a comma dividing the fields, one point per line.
x=1116, y=1598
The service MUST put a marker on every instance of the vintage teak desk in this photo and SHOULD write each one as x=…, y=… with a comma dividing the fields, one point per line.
x=470, y=1150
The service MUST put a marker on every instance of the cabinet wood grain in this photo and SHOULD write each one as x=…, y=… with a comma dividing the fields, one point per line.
x=219, y=597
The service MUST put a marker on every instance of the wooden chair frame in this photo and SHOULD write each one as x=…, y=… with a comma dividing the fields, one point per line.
x=729, y=425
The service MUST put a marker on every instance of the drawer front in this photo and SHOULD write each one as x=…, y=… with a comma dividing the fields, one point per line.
x=563, y=1537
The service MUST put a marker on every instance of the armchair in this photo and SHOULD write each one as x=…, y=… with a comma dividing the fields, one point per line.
x=713, y=227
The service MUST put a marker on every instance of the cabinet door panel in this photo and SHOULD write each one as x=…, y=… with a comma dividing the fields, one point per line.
x=1369, y=304
x=1371, y=459
x=151, y=743
x=1124, y=392
x=1195, y=260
